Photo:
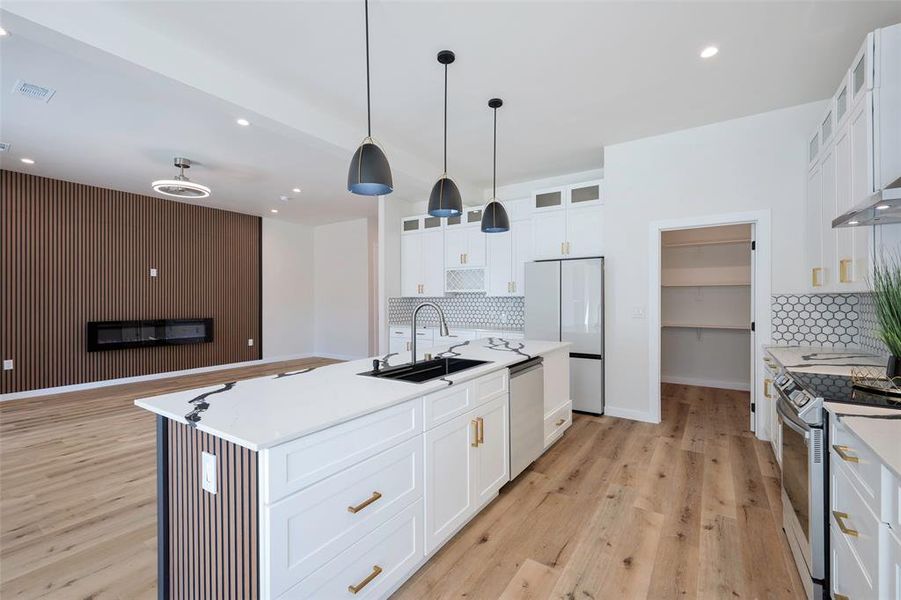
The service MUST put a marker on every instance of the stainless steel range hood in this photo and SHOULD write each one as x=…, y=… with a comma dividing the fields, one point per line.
x=880, y=208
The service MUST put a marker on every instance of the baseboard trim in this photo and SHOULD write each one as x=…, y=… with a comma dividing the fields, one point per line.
x=138, y=378
x=629, y=413
x=711, y=383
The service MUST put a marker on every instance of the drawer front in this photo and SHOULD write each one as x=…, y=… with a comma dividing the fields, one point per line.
x=311, y=527
x=864, y=466
x=374, y=566
x=303, y=462
x=403, y=331
x=852, y=520
x=556, y=423
x=440, y=407
x=847, y=577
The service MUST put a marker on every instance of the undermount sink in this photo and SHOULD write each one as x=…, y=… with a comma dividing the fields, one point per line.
x=426, y=370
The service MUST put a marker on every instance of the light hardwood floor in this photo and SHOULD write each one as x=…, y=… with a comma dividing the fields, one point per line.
x=78, y=489
x=619, y=509
x=616, y=509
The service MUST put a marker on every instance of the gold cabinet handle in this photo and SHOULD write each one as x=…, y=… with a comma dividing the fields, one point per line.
x=475, y=433
x=815, y=279
x=514, y=287
x=839, y=597
x=840, y=519
x=355, y=509
x=559, y=422
x=466, y=258
x=481, y=430
x=562, y=247
x=766, y=387
x=843, y=452
x=567, y=247
x=843, y=270
x=376, y=571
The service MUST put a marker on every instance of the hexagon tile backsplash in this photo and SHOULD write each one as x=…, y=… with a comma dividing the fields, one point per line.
x=826, y=320
x=470, y=309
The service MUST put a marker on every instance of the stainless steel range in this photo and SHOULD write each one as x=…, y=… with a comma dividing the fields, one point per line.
x=802, y=419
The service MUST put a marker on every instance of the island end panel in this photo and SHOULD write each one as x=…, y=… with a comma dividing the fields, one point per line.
x=208, y=544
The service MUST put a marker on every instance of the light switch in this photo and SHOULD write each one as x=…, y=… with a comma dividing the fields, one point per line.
x=8, y=364
x=250, y=341
x=209, y=472
x=153, y=271
x=638, y=312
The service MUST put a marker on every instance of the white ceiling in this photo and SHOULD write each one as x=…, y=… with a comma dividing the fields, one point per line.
x=575, y=77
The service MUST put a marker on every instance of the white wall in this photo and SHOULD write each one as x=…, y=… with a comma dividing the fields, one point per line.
x=753, y=163
x=288, y=302
x=341, y=275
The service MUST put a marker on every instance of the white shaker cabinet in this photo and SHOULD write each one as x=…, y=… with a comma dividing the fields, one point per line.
x=465, y=244
x=813, y=245
x=584, y=231
x=549, y=234
x=422, y=257
x=507, y=255
x=493, y=452
x=568, y=222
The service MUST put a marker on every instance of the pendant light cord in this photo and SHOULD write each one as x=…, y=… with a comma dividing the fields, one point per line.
x=494, y=168
x=368, y=109
x=445, y=119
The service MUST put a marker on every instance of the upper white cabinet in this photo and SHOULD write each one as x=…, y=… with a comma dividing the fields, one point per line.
x=814, y=226
x=465, y=244
x=422, y=257
x=567, y=222
x=507, y=255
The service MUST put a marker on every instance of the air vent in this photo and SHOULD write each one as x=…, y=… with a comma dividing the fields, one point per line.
x=4, y=147
x=35, y=92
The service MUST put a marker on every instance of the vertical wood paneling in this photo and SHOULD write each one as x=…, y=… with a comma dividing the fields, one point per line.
x=212, y=537
x=73, y=253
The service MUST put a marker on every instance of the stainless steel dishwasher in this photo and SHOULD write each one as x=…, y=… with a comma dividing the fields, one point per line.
x=526, y=414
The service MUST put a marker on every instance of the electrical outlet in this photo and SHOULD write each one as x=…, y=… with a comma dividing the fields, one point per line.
x=638, y=312
x=8, y=364
x=153, y=271
x=209, y=472
x=250, y=341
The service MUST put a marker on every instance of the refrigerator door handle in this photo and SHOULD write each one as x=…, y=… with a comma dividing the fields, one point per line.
x=586, y=355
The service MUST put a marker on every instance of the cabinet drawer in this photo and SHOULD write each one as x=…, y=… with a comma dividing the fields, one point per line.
x=847, y=577
x=314, y=525
x=295, y=465
x=440, y=407
x=403, y=331
x=375, y=565
x=864, y=467
x=557, y=422
x=852, y=519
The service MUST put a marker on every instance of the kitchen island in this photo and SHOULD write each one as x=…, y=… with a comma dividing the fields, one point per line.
x=329, y=483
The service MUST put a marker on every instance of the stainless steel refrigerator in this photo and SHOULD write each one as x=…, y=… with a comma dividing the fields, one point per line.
x=565, y=301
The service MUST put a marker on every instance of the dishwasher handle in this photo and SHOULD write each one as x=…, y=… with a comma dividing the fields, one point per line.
x=525, y=366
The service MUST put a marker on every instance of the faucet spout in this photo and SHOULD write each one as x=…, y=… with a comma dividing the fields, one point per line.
x=442, y=326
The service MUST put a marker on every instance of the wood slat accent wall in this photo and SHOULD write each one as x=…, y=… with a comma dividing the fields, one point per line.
x=74, y=253
x=213, y=543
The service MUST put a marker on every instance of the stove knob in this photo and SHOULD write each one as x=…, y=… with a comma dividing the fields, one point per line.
x=802, y=400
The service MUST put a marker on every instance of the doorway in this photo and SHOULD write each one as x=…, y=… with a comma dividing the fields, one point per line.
x=709, y=306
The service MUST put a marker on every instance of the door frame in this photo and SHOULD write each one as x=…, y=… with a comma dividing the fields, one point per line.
x=760, y=300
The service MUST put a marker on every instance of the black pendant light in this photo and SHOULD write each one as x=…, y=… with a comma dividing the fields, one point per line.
x=495, y=219
x=445, y=200
x=369, y=173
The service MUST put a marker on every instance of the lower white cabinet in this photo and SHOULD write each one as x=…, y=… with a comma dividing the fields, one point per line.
x=557, y=403
x=372, y=567
x=890, y=581
x=466, y=463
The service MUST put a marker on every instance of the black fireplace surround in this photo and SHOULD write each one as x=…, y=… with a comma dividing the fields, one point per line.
x=116, y=335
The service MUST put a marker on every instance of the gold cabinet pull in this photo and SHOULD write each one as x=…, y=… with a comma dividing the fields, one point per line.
x=562, y=247
x=843, y=270
x=840, y=597
x=843, y=452
x=466, y=258
x=816, y=280
x=559, y=422
x=567, y=247
x=475, y=433
x=840, y=519
x=355, y=509
x=376, y=571
x=481, y=430
x=766, y=387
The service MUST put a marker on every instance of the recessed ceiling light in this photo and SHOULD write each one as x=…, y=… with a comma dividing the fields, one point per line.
x=273, y=210
x=709, y=51
x=883, y=207
x=3, y=32
x=853, y=222
x=242, y=122
x=28, y=161
x=296, y=190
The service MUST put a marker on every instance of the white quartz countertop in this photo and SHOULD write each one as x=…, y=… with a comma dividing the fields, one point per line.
x=827, y=361
x=878, y=428
x=266, y=411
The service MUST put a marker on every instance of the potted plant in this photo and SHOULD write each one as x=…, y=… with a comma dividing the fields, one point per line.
x=887, y=298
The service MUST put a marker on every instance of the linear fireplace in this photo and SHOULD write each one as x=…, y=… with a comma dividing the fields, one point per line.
x=115, y=335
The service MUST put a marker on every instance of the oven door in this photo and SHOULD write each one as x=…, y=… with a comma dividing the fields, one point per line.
x=802, y=492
